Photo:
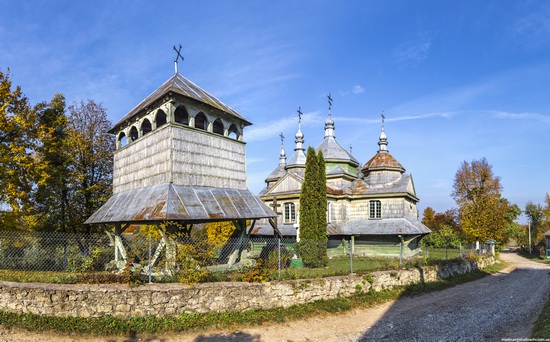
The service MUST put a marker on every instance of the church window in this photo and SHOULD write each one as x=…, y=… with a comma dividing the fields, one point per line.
x=329, y=212
x=218, y=126
x=133, y=133
x=375, y=209
x=181, y=116
x=160, y=118
x=201, y=122
x=290, y=212
x=145, y=127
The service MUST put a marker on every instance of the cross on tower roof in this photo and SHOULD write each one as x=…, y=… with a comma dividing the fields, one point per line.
x=178, y=56
x=299, y=115
x=282, y=138
x=383, y=117
x=329, y=103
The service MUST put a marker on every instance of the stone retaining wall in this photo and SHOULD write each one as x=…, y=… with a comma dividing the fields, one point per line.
x=174, y=299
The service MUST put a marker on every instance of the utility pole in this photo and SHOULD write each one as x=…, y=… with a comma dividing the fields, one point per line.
x=530, y=247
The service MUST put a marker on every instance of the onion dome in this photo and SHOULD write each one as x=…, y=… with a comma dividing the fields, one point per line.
x=382, y=160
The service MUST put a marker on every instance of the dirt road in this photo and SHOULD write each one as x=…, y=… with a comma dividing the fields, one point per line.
x=500, y=306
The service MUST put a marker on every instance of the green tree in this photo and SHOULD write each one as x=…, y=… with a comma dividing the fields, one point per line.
x=477, y=192
x=535, y=214
x=313, y=235
x=17, y=139
x=51, y=197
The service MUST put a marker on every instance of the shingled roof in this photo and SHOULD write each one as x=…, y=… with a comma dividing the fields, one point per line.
x=180, y=85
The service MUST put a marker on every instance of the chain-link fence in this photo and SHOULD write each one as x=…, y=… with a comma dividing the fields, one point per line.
x=157, y=254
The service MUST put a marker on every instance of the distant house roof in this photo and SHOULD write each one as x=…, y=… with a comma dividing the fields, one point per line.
x=180, y=203
x=180, y=85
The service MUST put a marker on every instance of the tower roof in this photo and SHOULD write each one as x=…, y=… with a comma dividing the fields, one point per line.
x=382, y=160
x=178, y=84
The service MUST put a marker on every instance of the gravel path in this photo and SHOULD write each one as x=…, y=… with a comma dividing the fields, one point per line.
x=490, y=309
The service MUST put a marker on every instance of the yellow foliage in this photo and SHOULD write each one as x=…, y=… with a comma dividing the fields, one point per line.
x=219, y=232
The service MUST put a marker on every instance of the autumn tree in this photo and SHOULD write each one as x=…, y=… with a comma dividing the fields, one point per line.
x=436, y=221
x=535, y=214
x=313, y=233
x=91, y=148
x=17, y=138
x=477, y=192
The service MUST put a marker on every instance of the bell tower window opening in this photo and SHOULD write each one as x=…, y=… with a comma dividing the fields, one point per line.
x=145, y=127
x=133, y=134
x=218, y=127
x=181, y=116
x=160, y=118
x=233, y=133
x=201, y=122
x=375, y=209
x=121, y=140
x=290, y=212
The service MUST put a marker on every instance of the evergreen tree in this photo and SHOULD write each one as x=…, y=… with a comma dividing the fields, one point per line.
x=313, y=239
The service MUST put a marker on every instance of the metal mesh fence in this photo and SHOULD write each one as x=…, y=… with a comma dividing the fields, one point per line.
x=158, y=254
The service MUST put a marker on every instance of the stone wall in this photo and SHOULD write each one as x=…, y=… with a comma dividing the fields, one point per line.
x=174, y=299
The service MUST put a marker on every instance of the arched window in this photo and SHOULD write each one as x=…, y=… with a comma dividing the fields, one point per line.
x=200, y=121
x=121, y=140
x=181, y=116
x=218, y=126
x=160, y=118
x=375, y=209
x=145, y=127
x=133, y=134
x=233, y=133
x=290, y=212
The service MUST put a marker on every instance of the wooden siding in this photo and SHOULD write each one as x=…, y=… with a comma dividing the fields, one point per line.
x=144, y=162
x=207, y=159
x=183, y=156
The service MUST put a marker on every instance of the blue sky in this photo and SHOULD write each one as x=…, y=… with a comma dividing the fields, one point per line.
x=457, y=80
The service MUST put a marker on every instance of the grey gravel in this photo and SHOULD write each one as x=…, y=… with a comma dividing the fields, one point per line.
x=490, y=309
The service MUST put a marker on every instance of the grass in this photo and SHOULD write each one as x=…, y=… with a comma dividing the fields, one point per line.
x=38, y=276
x=109, y=325
x=542, y=325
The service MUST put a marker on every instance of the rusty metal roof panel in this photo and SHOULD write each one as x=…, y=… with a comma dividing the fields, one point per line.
x=182, y=203
x=180, y=85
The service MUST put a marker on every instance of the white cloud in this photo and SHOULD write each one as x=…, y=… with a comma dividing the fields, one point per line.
x=521, y=116
x=445, y=115
x=413, y=52
x=267, y=130
x=357, y=89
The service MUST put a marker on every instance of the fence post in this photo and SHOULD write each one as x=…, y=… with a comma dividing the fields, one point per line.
x=460, y=248
x=447, y=252
x=400, y=251
x=350, y=257
x=150, y=266
x=279, y=255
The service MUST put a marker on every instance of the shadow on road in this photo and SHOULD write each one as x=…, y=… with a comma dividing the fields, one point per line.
x=496, y=306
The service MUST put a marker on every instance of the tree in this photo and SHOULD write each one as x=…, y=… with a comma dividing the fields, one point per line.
x=513, y=230
x=535, y=214
x=428, y=218
x=92, y=165
x=436, y=221
x=313, y=233
x=477, y=192
x=17, y=138
x=51, y=197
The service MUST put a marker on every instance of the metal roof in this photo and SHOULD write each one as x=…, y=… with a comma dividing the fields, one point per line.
x=396, y=226
x=180, y=203
x=180, y=85
x=383, y=161
x=362, y=187
x=333, y=151
x=393, y=226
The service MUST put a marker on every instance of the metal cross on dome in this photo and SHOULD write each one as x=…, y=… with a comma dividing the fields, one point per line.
x=178, y=56
x=383, y=117
x=282, y=138
x=299, y=115
x=329, y=103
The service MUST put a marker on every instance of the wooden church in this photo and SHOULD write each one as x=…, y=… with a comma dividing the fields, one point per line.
x=370, y=208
